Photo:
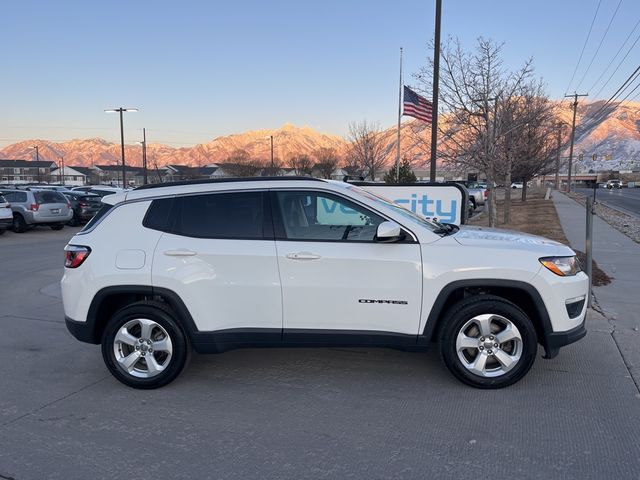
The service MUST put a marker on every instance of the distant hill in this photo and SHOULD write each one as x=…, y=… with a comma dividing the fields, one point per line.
x=614, y=136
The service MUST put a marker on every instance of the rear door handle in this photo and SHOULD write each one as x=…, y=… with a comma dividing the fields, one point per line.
x=181, y=252
x=303, y=256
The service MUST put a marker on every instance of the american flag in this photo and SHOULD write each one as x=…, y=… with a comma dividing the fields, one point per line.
x=416, y=106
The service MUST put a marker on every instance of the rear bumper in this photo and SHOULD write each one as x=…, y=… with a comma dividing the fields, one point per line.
x=83, y=331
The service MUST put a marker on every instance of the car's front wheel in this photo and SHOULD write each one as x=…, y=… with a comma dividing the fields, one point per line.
x=144, y=347
x=488, y=342
x=19, y=225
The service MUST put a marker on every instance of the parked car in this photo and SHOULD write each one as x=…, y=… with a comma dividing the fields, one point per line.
x=517, y=185
x=477, y=193
x=55, y=188
x=84, y=206
x=104, y=191
x=324, y=263
x=6, y=215
x=613, y=184
x=40, y=207
x=85, y=189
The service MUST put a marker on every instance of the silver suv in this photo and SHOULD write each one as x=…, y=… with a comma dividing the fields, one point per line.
x=43, y=207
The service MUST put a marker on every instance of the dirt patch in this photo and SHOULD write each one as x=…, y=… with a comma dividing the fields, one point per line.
x=538, y=216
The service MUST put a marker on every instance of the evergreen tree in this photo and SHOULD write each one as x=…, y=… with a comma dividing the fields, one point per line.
x=406, y=174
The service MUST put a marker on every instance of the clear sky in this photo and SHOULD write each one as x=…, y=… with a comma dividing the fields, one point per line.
x=200, y=69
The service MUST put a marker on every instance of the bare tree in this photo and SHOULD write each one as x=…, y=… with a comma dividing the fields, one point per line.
x=301, y=164
x=367, y=153
x=240, y=164
x=473, y=87
x=326, y=161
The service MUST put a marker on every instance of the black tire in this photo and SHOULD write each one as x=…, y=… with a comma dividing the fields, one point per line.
x=19, y=225
x=166, y=318
x=57, y=227
x=458, y=316
x=74, y=222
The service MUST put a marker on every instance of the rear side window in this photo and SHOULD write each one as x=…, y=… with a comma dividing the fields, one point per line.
x=16, y=197
x=158, y=214
x=49, y=197
x=237, y=215
x=96, y=218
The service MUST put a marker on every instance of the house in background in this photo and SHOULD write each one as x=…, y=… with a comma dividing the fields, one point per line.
x=25, y=171
x=72, y=176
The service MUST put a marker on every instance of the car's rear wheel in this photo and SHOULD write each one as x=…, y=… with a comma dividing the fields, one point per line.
x=19, y=225
x=144, y=347
x=488, y=342
x=74, y=222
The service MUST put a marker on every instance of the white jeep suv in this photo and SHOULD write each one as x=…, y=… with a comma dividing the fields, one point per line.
x=218, y=265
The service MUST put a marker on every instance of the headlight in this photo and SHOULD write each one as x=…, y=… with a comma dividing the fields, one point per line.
x=563, y=266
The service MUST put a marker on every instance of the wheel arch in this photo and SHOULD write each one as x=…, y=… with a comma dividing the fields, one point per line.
x=522, y=294
x=108, y=300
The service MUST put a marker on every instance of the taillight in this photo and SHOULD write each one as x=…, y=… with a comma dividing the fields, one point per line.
x=486, y=194
x=68, y=205
x=34, y=207
x=81, y=205
x=75, y=255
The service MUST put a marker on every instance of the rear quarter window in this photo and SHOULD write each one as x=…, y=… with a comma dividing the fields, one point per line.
x=157, y=216
x=106, y=208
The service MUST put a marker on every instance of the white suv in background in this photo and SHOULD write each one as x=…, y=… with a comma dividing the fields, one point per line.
x=218, y=265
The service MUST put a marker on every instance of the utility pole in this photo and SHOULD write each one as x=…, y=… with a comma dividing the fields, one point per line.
x=62, y=161
x=560, y=128
x=272, y=164
x=144, y=156
x=121, y=110
x=573, y=133
x=37, y=162
x=434, y=102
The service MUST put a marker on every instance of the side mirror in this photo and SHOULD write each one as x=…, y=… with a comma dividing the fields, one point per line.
x=389, y=232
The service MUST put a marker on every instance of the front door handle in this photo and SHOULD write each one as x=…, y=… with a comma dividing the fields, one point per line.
x=303, y=256
x=181, y=252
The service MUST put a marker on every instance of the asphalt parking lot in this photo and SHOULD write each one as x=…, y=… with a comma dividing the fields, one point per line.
x=299, y=413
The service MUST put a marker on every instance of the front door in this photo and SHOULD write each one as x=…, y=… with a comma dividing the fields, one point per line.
x=335, y=276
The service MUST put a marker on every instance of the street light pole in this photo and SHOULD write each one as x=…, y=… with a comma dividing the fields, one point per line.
x=37, y=162
x=121, y=110
x=573, y=134
x=62, y=161
x=272, y=164
x=144, y=156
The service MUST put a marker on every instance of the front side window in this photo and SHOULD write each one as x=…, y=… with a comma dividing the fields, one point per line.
x=238, y=215
x=322, y=216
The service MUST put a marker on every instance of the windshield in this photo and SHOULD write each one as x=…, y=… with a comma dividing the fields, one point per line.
x=407, y=214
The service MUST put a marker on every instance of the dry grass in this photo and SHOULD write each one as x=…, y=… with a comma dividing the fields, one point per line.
x=538, y=217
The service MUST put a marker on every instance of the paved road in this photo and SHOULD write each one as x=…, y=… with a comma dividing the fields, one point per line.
x=298, y=413
x=625, y=199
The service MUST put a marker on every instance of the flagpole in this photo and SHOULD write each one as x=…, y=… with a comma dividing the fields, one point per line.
x=399, y=118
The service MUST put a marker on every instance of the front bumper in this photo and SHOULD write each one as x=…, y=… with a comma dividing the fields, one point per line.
x=556, y=340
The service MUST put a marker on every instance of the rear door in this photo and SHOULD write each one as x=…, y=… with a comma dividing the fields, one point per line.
x=335, y=276
x=219, y=256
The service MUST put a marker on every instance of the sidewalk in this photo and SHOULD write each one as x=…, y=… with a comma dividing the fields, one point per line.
x=619, y=257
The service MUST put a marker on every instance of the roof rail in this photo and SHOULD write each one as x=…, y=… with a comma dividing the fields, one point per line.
x=223, y=180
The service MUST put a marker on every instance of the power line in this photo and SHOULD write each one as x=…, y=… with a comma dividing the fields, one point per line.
x=596, y=116
x=618, y=67
x=583, y=47
x=599, y=45
x=616, y=55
